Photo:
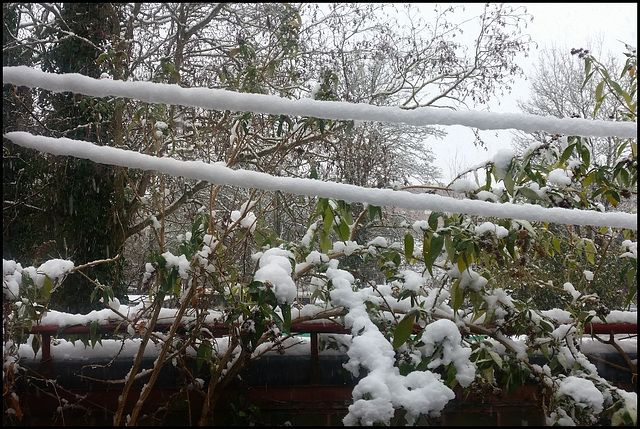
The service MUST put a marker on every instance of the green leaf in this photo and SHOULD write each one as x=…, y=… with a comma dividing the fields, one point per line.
x=586, y=156
x=527, y=225
x=623, y=177
x=403, y=330
x=496, y=358
x=590, y=251
x=343, y=230
x=599, y=89
x=345, y=212
x=373, y=211
x=457, y=295
x=612, y=196
x=46, y=288
x=435, y=247
x=487, y=374
x=588, y=180
x=408, y=246
x=619, y=90
x=322, y=205
x=566, y=154
x=448, y=244
x=562, y=360
x=286, y=313
x=544, y=349
x=587, y=71
x=529, y=193
x=426, y=249
x=203, y=354
x=462, y=262
x=325, y=242
x=478, y=315
x=94, y=335
x=35, y=343
x=328, y=219
x=433, y=220
x=509, y=183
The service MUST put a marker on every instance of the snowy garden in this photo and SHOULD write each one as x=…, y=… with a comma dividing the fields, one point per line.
x=428, y=283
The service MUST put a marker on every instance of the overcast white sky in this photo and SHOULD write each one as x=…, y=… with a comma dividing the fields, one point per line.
x=565, y=24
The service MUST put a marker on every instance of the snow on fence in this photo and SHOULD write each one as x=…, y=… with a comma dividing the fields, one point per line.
x=219, y=174
x=314, y=328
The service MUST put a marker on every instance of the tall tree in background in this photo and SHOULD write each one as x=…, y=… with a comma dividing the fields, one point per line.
x=346, y=52
x=557, y=90
x=77, y=217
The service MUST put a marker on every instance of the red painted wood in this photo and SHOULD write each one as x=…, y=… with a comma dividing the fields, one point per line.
x=315, y=327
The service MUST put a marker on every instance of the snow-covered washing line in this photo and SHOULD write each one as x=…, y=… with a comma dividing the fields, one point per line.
x=219, y=174
x=218, y=99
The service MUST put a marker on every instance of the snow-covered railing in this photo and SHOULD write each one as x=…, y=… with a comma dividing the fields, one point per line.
x=312, y=327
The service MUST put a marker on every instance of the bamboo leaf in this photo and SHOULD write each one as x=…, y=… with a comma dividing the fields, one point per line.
x=612, y=196
x=403, y=330
x=457, y=295
x=599, y=89
x=435, y=247
x=408, y=246
x=529, y=193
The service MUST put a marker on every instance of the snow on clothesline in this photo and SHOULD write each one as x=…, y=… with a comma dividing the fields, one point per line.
x=219, y=174
x=218, y=99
